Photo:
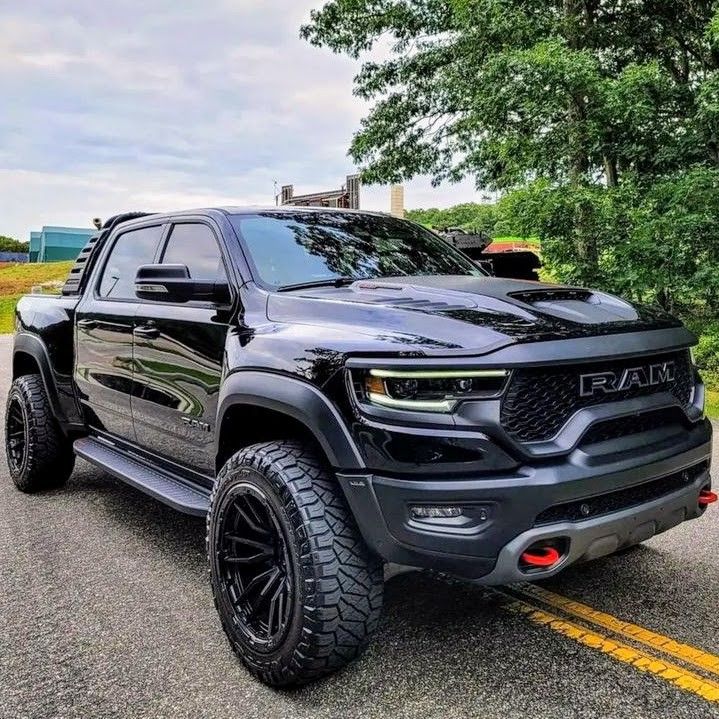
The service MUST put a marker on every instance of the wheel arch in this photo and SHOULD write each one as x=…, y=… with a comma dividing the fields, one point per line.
x=30, y=356
x=273, y=406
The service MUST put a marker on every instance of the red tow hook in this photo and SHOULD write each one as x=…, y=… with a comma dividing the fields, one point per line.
x=707, y=497
x=541, y=557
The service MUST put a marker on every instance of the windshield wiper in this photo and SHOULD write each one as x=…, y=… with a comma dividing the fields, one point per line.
x=327, y=282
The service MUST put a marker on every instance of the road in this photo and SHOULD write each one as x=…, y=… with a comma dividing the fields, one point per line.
x=105, y=611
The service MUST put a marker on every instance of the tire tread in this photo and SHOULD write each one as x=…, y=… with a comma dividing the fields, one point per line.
x=343, y=581
x=50, y=459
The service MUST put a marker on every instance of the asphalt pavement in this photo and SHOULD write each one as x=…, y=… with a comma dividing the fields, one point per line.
x=106, y=611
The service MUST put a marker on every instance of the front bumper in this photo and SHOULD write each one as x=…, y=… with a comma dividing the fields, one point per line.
x=501, y=512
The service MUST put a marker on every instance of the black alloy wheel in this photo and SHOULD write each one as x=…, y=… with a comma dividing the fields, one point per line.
x=255, y=569
x=39, y=455
x=16, y=435
x=296, y=588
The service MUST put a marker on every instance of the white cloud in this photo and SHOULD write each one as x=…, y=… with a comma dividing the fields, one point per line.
x=130, y=105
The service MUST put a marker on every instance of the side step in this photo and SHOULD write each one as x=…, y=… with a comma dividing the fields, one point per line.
x=165, y=487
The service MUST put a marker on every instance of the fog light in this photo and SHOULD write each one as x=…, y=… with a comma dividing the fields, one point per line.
x=435, y=512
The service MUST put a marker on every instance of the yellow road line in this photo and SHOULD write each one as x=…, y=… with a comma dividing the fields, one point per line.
x=682, y=678
x=684, y=652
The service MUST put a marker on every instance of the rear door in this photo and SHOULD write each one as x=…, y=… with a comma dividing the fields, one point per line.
x=104, y=322
x=178, y=357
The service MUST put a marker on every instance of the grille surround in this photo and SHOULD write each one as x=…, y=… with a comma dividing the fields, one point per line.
x=539, y=401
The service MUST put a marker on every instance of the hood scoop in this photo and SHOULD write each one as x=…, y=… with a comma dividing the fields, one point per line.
x=458, y=304
x=577, y=305
x=561, y=294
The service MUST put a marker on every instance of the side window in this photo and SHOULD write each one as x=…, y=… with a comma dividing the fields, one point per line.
x=195, y=245
x=131, y=249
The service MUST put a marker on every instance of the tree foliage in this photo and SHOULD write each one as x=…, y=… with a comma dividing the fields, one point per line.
x=503, y=90
x=8, y=244
x=470, y=216
x=658, y=243
x=598, y=118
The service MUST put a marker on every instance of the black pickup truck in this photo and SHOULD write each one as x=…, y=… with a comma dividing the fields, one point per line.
x=338, y=389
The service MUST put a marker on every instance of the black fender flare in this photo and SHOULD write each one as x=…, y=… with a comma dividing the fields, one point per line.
x=34, y=347
x=298, y=399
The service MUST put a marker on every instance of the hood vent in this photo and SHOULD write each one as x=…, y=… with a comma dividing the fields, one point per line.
x=562, y=294
x=410, y=303
x=422, y=299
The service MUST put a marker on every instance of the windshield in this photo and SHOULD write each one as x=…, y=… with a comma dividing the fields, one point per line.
x=288, y=248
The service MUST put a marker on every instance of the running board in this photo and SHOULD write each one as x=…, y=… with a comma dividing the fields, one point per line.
x=163, y=486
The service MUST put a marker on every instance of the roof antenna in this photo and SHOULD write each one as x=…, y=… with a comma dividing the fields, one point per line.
x=97, y=222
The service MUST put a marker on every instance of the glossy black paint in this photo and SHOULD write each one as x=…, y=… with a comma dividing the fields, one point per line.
x=163, y=377
x=104, y=365
x=163, y=362
x=44, y=342
x=177, y=368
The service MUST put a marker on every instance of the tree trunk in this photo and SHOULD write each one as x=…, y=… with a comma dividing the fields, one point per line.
x=585, y=245
x=610, y=171
x=574, y=16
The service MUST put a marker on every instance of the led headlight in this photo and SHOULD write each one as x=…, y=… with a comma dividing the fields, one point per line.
x=431, y=390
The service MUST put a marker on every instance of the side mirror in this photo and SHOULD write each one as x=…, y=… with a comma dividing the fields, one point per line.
x=172, y=283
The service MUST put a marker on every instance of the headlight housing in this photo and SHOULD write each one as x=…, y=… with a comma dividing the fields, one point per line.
x=430, y=390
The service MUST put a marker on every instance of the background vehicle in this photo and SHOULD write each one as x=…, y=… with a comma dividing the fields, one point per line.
x=516, y=264
x=336, y=389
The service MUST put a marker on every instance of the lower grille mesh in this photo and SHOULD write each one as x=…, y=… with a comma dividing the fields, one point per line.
x=621, y=499
x=634, y=424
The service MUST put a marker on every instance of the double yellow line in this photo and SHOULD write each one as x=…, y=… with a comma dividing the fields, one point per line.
x=648, y=651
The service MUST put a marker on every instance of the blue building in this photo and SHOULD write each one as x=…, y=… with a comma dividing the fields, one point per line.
x=53, y=244
x=35, y=245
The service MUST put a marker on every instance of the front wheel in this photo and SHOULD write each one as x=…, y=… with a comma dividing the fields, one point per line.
x=297, y=590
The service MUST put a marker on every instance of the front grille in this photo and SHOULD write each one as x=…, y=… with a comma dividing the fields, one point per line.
x=621, y=499
x=539, y=401
x=633, y=424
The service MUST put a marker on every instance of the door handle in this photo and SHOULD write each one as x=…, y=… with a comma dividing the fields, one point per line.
x=147, y=331
x=87, y=324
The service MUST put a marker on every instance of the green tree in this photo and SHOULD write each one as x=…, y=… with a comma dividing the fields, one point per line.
x=8, y=244
x=470, y=216
x=505, y=89
x=589, y=101
x=655, y=243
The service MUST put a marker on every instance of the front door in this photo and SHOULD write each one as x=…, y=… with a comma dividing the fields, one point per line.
x=178, y=357
x=104, y=344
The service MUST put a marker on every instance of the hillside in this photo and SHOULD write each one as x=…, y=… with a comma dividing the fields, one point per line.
x=19, y=279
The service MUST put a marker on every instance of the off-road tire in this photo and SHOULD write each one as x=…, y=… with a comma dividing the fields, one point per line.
x=48, y=460
x=337, y=583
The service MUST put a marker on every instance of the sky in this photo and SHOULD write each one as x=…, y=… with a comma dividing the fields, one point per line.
x=171, y=104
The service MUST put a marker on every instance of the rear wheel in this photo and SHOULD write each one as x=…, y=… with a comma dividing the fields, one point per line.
x=297, y=591
x=39, y=455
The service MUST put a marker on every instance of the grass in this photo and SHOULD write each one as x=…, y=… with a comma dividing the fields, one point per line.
x=7, y=311
x=510, y=239
x=19, y=279
x=712, y=404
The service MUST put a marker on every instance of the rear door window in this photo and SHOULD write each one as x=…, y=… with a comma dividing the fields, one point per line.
x=131, y=249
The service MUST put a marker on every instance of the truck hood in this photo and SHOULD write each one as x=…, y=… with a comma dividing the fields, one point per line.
x=478, y=314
